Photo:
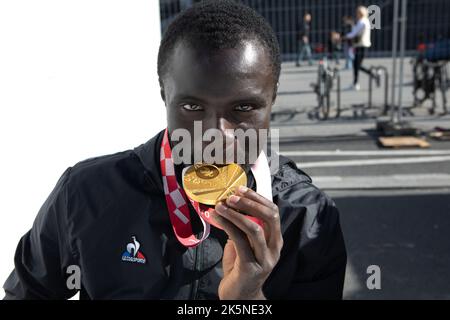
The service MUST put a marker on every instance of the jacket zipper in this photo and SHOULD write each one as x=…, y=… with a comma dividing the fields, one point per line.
x=196, y=268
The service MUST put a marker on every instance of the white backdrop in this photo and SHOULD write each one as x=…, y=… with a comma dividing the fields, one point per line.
x=77, y=79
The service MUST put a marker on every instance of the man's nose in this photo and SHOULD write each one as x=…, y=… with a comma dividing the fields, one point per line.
x=218, y=122
x=223, y=125
x=226, y=127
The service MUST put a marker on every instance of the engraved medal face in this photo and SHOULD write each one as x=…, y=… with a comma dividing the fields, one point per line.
x=209, y=184
x=206, y=171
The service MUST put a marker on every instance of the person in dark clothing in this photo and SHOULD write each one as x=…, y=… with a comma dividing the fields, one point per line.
x=304, y=40
x=111, y=217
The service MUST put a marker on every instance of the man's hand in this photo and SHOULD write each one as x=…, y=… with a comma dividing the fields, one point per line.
x=251, y=252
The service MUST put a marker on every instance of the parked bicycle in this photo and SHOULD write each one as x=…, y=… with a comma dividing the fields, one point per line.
x=326, y=76
x=430, y=78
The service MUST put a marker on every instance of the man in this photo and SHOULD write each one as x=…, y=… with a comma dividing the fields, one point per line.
x=111, y=216
x=304, y=41
x=360, y=35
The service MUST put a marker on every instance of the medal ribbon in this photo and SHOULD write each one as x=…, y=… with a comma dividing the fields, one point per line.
x=176, y=198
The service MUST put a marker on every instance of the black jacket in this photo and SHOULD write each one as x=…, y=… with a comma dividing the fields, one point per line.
x=100, y=203
x=304, y=30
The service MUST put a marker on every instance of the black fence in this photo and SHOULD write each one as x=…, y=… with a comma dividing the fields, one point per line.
x=428, y=20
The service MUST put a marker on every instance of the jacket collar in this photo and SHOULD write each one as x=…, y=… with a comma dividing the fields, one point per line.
x=148, y=154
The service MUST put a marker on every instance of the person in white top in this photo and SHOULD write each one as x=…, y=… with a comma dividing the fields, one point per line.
x=360, y=36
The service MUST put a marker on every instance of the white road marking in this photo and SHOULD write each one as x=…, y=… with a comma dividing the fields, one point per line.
x=396, y=181
x=398, y=177
x=370, y=162
x=338, y=152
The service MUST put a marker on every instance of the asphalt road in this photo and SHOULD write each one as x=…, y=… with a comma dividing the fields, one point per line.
x=402, y=226
x=363, y=157
x=394, y=204
x=405, y=234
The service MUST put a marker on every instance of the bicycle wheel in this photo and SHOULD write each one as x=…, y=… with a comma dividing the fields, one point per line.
x=325, y=110
x=324, y=107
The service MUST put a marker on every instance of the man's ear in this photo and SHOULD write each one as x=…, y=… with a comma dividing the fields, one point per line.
x=275, y=93
x=161, y=88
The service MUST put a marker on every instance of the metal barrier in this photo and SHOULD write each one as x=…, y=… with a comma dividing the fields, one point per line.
x=359, y=109
x=377, y=70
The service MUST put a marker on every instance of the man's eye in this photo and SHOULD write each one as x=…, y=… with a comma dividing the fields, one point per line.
x=191, y=107
x=244, y=108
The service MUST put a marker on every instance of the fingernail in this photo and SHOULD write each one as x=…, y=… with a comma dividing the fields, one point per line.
x=243, y=189
x=233, y=199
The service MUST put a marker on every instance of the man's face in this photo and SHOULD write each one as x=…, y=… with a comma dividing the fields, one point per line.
x=227, y=89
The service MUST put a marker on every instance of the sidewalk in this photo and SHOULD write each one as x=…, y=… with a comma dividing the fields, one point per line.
x=296, y=98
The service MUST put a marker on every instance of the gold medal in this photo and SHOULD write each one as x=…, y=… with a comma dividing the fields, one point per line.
x=209, y=184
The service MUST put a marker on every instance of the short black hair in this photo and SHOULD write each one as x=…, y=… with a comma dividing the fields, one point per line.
x=219, y=24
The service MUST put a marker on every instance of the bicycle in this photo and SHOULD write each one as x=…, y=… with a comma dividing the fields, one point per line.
x=325, y=79
x=430, y=77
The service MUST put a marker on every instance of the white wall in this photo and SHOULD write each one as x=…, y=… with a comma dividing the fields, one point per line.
x=77, y=79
